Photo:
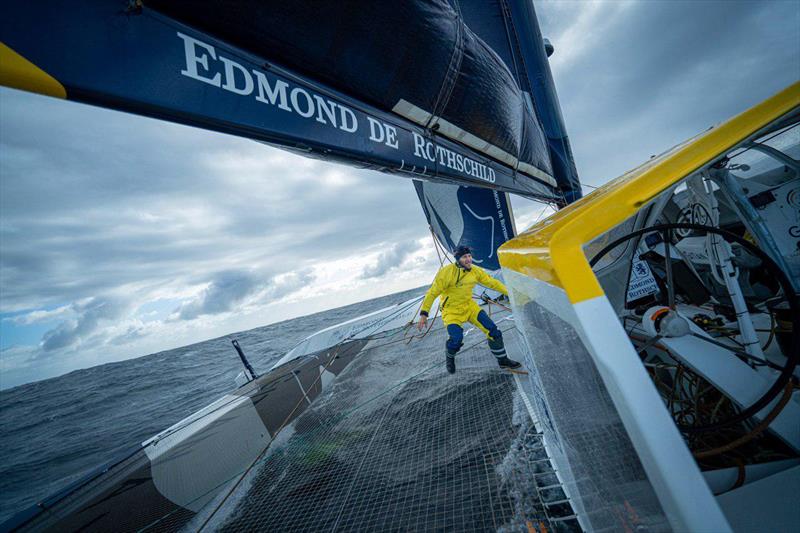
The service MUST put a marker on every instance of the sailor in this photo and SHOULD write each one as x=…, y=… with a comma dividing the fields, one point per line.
x=454, y=283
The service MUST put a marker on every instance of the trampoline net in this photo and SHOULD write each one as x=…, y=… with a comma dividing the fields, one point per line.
x=588, y=443
x=397, y=444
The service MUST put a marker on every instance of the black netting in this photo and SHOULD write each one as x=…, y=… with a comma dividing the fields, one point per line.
x=397, y=444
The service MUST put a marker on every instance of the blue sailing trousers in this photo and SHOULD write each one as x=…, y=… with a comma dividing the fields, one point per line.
x=455, y=333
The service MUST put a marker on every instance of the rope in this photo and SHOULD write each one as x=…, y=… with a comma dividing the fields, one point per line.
x=424, y=334
x=260, y=455
x=764, y=424
x=439, y=247
x=490, y=301
x=772, y=328
x=440, y=254
x=541, y=214
x=411, y=325
x=498, y=304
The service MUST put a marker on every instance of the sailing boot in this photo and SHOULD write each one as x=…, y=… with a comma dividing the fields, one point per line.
x=505, y=362
x=450, y=363
x=499, y=350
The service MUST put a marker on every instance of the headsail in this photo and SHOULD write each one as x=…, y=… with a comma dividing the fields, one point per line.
x=468, y=216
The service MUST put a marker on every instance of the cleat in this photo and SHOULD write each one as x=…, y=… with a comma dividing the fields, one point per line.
x=505, y=362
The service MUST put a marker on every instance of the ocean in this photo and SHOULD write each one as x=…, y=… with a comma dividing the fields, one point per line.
x=55, y=431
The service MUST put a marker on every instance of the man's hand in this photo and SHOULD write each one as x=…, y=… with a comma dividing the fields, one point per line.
x=423, y=319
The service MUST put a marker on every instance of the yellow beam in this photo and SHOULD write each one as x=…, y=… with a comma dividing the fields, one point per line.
x=552, y=250
x=19, y=73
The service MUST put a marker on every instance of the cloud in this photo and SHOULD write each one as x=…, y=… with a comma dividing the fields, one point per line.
x=389, y=260
x=223, y=292
x=40, y=316
x=16, y=357
x=88, y=316
x=134, y=330
x=231, y=290
x=91, y=213
x=287, y=284
x=635, y=78
x=578, y=28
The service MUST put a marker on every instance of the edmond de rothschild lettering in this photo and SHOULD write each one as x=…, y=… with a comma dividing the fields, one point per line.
x=235, y=78
x=204, y=64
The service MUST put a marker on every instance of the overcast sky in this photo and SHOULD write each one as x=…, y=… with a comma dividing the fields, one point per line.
x=121, y=236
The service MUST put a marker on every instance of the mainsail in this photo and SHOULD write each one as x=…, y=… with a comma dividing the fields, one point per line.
x=455, y=92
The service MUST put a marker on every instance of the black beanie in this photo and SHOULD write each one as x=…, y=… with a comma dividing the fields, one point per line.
x=461, y=250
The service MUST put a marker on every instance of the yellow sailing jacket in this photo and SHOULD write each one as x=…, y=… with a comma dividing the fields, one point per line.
x=454, y=285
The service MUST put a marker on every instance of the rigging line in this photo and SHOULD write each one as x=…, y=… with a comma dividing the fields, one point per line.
x=739, y=353
x=752, y=144
x=244, y=473
x=648, y=344
x=497, y=303
x=217, y=487
x=167, y=433
x=234, y=399
x=260, y=455
x=541, y=214
x=425, y=333
x=439, y=246
x=397, y=330
x=405, y=338
x=407, y=306
x=435, y=246
x=411, y=324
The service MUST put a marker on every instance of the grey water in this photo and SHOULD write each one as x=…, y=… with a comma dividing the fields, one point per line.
x=53, y=432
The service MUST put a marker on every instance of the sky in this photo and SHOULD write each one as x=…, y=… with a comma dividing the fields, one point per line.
x=122, y=236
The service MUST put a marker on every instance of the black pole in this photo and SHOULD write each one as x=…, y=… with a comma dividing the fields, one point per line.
x=245, y=362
